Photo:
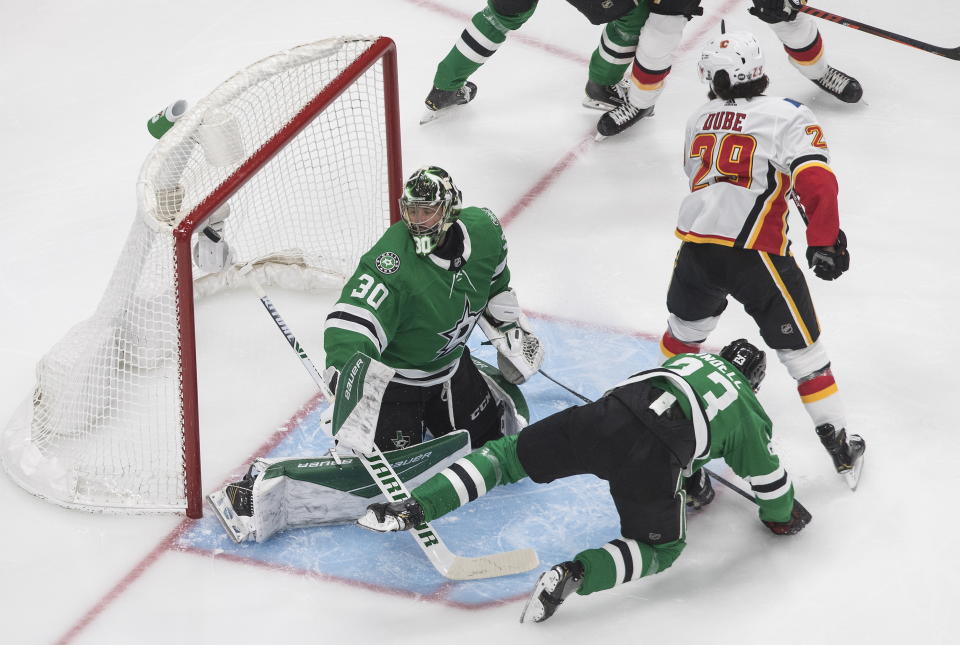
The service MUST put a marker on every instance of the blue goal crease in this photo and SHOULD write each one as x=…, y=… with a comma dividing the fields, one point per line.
x=588, y=360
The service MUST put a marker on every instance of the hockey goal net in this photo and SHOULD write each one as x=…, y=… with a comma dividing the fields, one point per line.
x=297, y=159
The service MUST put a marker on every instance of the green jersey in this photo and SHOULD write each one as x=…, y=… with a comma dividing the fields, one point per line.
x=739, y=431
x=415, y=313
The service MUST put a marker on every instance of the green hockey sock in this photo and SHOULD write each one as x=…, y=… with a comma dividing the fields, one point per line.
x=481, y=38
x=618, y=44
x=467, y=479
x=623, y=560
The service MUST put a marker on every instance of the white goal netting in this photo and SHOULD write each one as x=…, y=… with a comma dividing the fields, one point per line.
x=104, y=427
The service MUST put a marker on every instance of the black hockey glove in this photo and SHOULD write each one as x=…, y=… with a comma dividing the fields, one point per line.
x=799, y=517
x=774, y=11
x=829, y=262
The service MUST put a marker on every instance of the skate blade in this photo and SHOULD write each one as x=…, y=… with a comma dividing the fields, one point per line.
x=599, y=137
x=853, y=475
x=234, y=525
x=429, y=116
x=533, y=600
x=595, y=104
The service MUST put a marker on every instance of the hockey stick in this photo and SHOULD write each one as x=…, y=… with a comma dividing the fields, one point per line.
x=573, y=392
x=714, y=475
x=946, y=52
x=447, y=563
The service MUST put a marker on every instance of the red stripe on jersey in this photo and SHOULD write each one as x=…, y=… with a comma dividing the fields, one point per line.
x=809, y=54
x=670, y=346
x=772, y=233
x=817, y=188
x=644, y=76
x=814, y=385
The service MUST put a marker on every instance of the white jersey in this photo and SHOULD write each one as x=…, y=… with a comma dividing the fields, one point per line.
x=742, y=157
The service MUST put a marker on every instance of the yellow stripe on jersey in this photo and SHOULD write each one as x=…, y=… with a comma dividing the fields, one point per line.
x=791, y=305
x=810, y=164
x=696, y=238
x=822, y=394
x=775, y=196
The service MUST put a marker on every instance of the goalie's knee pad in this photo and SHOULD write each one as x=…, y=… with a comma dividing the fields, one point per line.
x=801, y=363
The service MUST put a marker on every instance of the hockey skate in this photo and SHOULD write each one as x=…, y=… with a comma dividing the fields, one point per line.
x=233, y=506
x=843, y=86
x=442, y=102
x=605, y=97
x=847, y=454
x=551, y=590
x=617, y=120
x=395, y=516
x=699, y=489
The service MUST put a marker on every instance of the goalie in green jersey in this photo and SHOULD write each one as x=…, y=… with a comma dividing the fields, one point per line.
x=649, y=438
x=408, y=310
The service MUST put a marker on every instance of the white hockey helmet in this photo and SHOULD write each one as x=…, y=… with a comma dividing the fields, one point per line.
x=737, y=53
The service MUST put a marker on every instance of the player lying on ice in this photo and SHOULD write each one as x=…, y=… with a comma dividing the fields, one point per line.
x=410, y=306
x=643, y=436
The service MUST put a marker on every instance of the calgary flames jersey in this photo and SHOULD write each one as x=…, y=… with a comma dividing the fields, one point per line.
x=742, y=158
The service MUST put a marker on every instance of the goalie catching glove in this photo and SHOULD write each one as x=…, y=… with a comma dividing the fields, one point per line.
x=519, y=351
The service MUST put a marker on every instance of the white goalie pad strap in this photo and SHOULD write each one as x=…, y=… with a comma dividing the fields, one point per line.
x=504, y=307
x=806, y=361
x=360, y=388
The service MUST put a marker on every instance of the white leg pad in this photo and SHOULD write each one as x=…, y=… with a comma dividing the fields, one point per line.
x=798, y=34
x=691, y=331
x=806, y=361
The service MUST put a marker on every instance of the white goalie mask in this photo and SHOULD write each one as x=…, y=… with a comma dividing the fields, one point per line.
x=737, y=53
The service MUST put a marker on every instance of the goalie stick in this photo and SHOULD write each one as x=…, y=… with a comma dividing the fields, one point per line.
x=946, y=52
x=447, y=563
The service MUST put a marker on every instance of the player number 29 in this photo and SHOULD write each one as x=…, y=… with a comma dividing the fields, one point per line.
x=733, y=160
x=371, y=290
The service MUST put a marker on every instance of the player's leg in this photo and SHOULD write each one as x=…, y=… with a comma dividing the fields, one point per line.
x=606, y=87
x=805, y=51
x=651, y=505
x=466, y=402
x=659, y=37
x=402, y=411
x=479, y=40
x=695, y=298
x=775, y=294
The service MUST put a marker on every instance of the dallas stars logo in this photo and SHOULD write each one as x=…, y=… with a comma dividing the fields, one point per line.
x=388, y=262
x=457, y=335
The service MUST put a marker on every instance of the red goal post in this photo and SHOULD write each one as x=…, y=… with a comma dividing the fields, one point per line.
x=295, y=161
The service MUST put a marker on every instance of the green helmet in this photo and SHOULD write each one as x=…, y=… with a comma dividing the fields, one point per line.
x=429, y=206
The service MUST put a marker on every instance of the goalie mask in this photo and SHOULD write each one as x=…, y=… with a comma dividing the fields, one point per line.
x=748, y=358
x=429, y=206
x=737, y=53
